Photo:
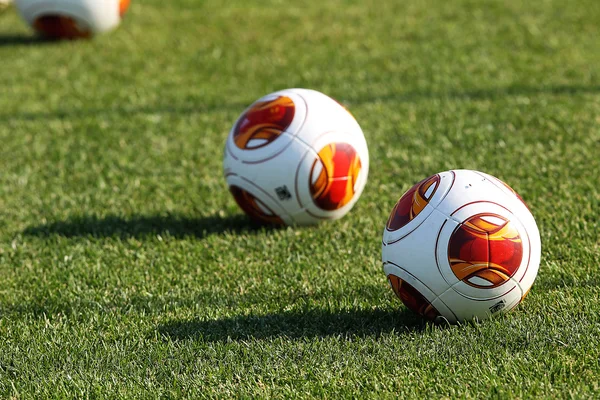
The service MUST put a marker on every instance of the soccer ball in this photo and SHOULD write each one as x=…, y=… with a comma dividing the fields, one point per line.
x=4, y=4
x=461, y=245
x=71, y=19
x=296, y=157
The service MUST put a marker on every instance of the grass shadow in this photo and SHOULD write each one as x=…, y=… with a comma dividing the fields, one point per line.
x=139, y=226
x=186, y=109
x=14, y=40
x=295, y=324
x=480, y=93
x=123, y=112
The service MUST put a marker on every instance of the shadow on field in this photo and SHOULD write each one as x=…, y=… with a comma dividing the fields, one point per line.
x=479, y=94
x=12, y=40
x=399, y=97
x=124, y=111
x=142, y=226
x=296, y=324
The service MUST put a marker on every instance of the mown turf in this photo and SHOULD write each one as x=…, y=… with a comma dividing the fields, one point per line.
x=126, y=269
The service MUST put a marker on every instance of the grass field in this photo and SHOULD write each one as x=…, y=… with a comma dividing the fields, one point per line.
x=127, y=270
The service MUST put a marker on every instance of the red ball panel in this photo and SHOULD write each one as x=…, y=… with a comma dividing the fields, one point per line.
x=60, y=27
x=255, y=208
x=264, y=122
x=485, y=251
x=123, y=6
x=413, y=202
x=334, y=175
x=412, y=298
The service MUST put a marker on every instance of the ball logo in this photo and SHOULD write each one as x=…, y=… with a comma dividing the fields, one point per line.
x=333, y=176
x=485, y=251
x=123, y=6
x=413, y=202
x=264, y=122
x=412, y=298
x=252, y=206
x=56, y=26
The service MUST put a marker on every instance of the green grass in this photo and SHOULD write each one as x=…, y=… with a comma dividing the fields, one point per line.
x=126, y=269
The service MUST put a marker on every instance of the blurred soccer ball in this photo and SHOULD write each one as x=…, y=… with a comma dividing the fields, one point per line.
x=4, y=4
x=296, y=157
x=461, y=245
x=71, y=19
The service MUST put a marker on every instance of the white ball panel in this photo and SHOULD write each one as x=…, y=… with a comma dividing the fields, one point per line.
x=442, y=251
x=469, y=187
x=471, y=194
x=467, y=308
x=514, y=203
x=526, y=281
x=422, y=288
x=325, y=115
x=389, y=237
x=444, y=310
x=98, y=16
x=412, y=280
x=416, y=252
x=303, y=175
x=303, y=218
x=276, y=175
x=523, y=214
x=314, y=194
x=279, y=144
x=261, y=194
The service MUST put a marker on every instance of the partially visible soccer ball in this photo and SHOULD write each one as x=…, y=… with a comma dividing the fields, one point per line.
x=71, y=19
x=296, y=157
x=461, y=245
x=4, y=4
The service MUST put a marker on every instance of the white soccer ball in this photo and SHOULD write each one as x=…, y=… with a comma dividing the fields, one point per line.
x=461, y=245
x=70, y=19
x=296, y=157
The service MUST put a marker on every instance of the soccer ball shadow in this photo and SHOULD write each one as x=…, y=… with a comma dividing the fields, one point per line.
x=14, y=40
x=297, y=324
x=143, y=226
